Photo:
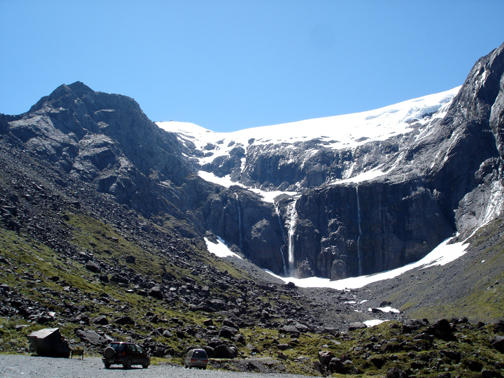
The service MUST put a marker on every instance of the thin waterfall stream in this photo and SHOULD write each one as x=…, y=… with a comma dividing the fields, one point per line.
x=284, y=264
x=238, y=209
x=359, y=252
x=293, y=217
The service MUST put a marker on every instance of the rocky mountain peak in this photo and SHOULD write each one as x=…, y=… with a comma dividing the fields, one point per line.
x=481, y=87
x=76, y=89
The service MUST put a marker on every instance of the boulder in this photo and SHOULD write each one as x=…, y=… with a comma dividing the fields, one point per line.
x=396, y=372
x=356, y=325
x=442, y=329
x=91, y=337
x=124, y=320
x=100, y=319
x=498, y=343
x=227, y=332
x=498, y=327
x=225, y=351
x=325, y=357
x=49, y=342
x=92, y=267
x=156, y=292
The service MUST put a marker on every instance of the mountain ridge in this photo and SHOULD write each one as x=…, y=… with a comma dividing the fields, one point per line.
x=361, y=207
x=105, y=221
x=430, y=164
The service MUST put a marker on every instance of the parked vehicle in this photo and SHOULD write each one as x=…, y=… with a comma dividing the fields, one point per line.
x=125, y=354
x=197, y=358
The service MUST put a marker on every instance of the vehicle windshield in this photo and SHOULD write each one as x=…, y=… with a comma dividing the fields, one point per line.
x=117, y=347
x=199, y=354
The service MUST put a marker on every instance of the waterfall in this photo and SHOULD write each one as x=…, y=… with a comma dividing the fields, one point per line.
x=238, y=209
x=359, y=252
x=284, y=264
x=293, y=217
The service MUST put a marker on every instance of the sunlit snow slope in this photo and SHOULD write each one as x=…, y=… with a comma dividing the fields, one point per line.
x=343, y=131
x=292, y=156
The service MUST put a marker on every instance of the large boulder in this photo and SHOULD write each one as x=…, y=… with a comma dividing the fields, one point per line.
x=49, y=342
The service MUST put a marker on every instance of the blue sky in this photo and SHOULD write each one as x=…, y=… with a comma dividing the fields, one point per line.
x=233, y=64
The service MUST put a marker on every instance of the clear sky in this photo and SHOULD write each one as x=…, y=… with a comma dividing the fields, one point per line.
x=233, y=64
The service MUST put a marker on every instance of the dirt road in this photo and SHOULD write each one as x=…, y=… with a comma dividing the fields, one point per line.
x=45, y=367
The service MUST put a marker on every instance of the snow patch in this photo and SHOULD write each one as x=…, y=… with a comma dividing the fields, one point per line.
x=222, y=181
x=364, y=176
x=225, y=181
x=219, y=249
x=373, y=322
x=386, y=309
x=441, y=255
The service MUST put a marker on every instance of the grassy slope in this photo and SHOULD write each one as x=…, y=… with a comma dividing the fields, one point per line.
x=45, y=277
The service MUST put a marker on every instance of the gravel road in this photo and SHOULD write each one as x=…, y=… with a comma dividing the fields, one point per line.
x=42, y=367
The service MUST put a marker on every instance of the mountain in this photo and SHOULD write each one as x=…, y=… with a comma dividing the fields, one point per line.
x=107, y=220
x=362, y=193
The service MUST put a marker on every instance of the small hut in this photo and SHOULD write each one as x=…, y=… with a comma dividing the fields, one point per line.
x=49, y=342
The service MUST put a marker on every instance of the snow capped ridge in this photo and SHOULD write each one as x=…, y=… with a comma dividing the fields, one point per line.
x=340, y=130
x=297, y=147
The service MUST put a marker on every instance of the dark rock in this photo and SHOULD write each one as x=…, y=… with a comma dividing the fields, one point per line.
x=216, y=304
x=228, y=332
x=49, y=342
x=396, y=372
x=208, y=322
x=451, y=355
x=498, y=343
x=411, y=325
x=378, y=362
x=92, y=267
x=356, y=325
x=498, y=327
x=283, y=346
x=225, y=351
x=81, y=318
x=210, y=351
x=130, y=259
x=101, y=320
x=290, y=329
x=124, y=320
x=290, y=285
x=325, y=357
x=239, y=339
x=337, y=366
x=485, y=373
x=156, y=292
x=442, y=329
x=472, y=364
x=91, y=337
x=119, y=278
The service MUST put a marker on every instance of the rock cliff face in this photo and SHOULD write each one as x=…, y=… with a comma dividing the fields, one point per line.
x=376, y=203
x=355, y=195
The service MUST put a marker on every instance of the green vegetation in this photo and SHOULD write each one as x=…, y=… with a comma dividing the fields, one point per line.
x=58, y=283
